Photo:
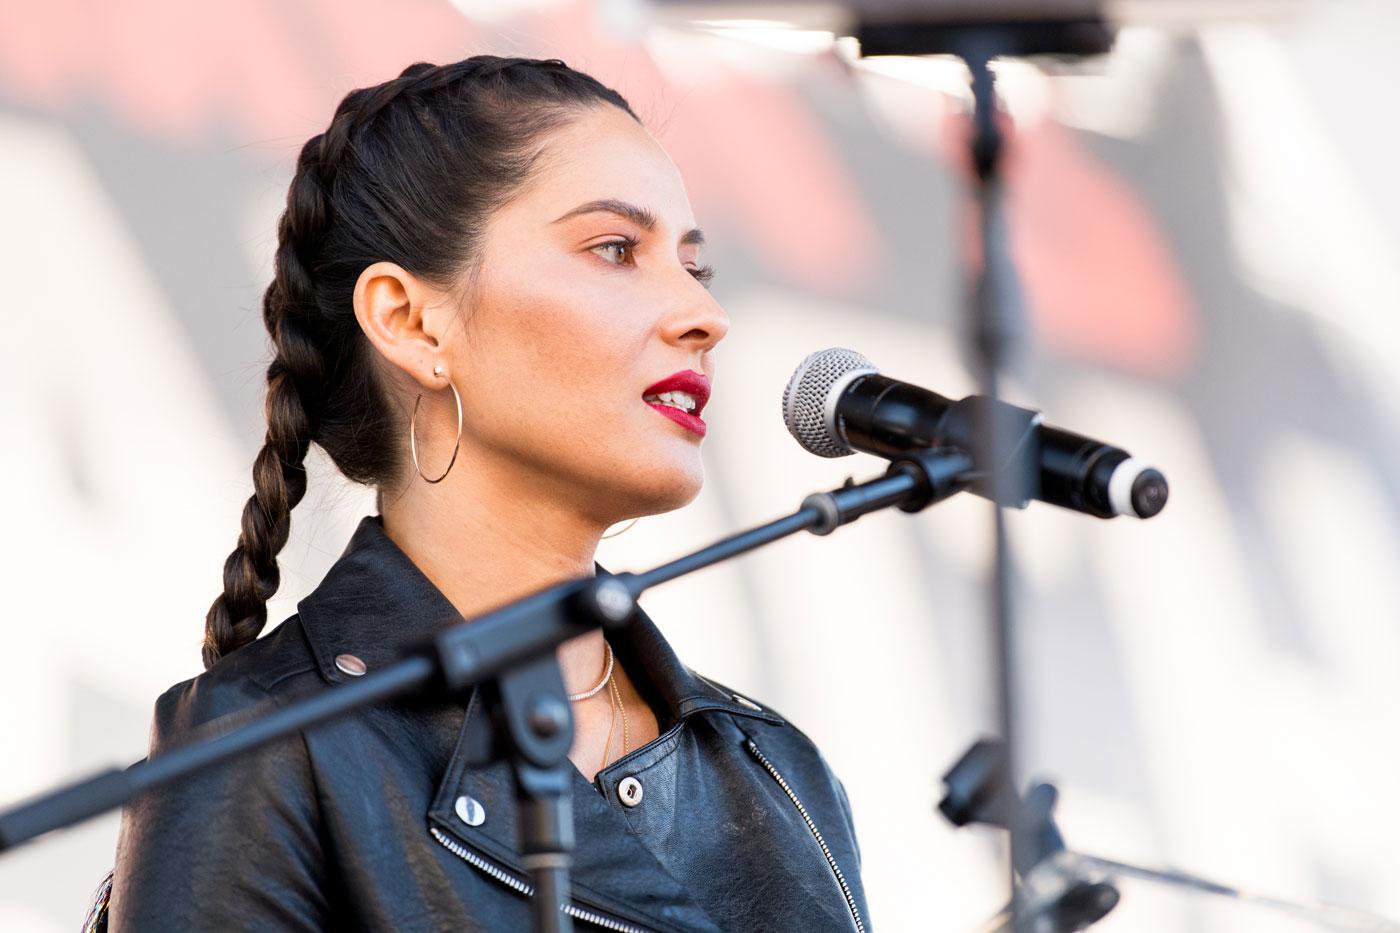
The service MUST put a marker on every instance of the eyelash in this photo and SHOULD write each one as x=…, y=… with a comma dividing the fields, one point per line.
x=703, y=275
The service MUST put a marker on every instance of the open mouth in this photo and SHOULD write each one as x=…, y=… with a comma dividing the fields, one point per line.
x=681, y=397
x=680, y=400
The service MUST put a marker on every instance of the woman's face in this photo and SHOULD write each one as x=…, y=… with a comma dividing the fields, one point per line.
x=581, y=306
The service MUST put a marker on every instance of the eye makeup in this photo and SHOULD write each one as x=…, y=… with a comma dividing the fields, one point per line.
x=703, y=274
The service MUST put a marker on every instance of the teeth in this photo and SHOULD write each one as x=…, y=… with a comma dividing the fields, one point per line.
x=682, y=400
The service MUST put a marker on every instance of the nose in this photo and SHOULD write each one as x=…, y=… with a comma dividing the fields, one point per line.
x=699, y=322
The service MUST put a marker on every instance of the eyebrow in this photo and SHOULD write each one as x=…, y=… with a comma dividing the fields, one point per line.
x=638, y=215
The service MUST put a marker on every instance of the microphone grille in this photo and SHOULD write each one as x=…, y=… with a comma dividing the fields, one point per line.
x=809, y=401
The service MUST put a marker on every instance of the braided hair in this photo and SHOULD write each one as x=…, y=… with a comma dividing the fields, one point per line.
x=408, y=171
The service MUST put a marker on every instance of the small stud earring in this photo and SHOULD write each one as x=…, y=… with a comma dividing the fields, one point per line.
x=437, y=370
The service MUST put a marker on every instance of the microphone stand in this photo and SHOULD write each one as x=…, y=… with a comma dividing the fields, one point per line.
x=980, y=790
x=1058, y=889
x=514, y=648
x=995, y=310
x=1064, y=890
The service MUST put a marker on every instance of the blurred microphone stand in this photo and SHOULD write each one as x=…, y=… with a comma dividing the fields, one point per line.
x=996, y=318
x=1060, y=890
x=1051, y=896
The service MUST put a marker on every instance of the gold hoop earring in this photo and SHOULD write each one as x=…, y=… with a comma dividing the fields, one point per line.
x=413, y=434
x=628, y=528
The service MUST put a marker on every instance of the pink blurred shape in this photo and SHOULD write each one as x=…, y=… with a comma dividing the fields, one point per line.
x=1102, y=277
x=271, y=74
x=184, y=71
x=1099, y=277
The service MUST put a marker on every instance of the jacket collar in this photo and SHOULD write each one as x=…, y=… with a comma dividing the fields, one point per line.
x=375, y=599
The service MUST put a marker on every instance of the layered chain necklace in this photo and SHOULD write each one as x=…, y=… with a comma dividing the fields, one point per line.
x=618, y=708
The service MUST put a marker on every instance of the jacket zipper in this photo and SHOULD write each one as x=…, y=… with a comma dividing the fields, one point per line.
x=524, y=887
x=816, y=833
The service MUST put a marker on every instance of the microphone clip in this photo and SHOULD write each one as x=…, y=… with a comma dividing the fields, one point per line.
x=987, y=428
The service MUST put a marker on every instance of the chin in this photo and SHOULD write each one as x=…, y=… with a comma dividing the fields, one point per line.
x=668, y=490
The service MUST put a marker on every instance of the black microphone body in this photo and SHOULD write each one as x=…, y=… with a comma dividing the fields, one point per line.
x=838, y=403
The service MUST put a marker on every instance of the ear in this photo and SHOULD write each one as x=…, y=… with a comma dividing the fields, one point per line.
x=397, y=312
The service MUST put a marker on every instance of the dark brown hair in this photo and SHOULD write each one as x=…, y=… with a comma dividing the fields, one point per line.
x=407, y=172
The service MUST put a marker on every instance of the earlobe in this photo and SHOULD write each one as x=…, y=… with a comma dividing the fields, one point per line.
x=389, y=304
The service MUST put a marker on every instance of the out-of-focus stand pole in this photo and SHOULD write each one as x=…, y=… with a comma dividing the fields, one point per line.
x=535, y=707
x=996, y=327
x=996, y=317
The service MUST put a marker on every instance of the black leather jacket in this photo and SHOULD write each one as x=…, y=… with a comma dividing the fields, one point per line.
x=397, y=818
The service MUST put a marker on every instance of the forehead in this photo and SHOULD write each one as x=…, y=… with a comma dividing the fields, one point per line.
x=600, y=154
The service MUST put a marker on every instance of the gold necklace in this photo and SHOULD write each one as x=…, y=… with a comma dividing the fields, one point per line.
x=621, y=708
x=617, y=707
x=612, y=721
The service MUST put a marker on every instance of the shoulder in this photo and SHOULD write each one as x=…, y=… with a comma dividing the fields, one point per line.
x=237, y=838
x=749, y=708
x=774, y=736
x=792, y=760
x=268, y=670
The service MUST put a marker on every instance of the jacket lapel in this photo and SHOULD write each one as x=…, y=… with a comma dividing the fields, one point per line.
x=611, y=870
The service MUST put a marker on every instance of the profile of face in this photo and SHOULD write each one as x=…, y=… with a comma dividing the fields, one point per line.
x=587, y=295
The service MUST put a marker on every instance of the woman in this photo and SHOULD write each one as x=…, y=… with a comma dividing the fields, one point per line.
x=489, y=304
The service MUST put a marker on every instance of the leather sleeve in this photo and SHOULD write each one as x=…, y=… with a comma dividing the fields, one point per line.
x=235, y=846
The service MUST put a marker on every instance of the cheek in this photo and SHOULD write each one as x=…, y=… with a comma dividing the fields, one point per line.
x=567, y=345
x=557, y=369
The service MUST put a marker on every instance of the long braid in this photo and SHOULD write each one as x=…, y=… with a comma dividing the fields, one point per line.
x=409, y=183
x=251, y=575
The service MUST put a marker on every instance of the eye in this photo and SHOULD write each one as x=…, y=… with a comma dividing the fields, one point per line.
x=627, y=246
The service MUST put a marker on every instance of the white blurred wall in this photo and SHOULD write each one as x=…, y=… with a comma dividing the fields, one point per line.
x=1212, y=690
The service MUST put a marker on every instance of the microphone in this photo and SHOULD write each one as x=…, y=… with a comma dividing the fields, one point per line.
x=837, y=403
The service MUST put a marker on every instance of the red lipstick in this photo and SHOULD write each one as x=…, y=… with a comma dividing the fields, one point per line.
x=696, y=385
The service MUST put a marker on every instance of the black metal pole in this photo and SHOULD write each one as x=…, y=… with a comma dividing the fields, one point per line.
x=540, y=723
x=996, y=329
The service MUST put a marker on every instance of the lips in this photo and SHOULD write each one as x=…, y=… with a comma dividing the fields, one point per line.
x=691, y=383
x=696, y=385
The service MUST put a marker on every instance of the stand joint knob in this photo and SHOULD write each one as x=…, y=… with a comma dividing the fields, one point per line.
x=613, y=600
x=547, y=716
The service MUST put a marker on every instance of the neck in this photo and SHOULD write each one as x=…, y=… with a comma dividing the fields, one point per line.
x=487, y=537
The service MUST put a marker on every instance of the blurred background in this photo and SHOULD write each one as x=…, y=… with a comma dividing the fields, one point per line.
x=1205, y=222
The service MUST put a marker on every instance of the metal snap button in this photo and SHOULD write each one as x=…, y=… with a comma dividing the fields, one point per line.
x=470, y=811
x=349, y=664
x=629, y=791
x=746, y=702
